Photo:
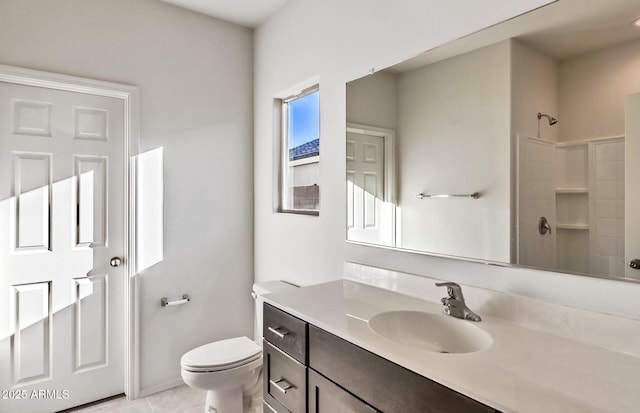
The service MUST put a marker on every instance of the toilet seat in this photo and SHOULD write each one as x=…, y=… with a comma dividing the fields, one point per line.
x=221, y=355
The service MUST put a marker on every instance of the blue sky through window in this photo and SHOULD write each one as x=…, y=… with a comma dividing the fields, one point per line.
x=304, y=119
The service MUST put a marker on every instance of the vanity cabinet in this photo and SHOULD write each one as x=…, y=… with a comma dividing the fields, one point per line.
x=332, y=375
x=327, y=397
x=383, y=384
x=284, y=361
x=285, y=383
x=286, y=332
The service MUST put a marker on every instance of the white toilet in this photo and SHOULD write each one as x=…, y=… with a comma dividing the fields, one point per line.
x=226, y=368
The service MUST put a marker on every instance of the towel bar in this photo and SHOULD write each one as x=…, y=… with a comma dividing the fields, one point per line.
x=474, y=195
x=164, y=301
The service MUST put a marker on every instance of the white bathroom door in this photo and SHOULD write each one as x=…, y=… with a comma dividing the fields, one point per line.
x=62, y=186
x=632, y=190
x=365, y=188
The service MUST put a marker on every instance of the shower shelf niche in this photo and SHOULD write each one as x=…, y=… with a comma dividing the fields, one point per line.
x=589, y=197
x=572, y=190
x=572, y=206
x=572, y=210
x=572, y=186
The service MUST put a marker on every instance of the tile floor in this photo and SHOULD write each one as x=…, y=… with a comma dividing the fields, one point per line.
x=182, y=399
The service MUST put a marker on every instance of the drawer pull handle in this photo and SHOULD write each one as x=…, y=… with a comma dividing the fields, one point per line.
x=282, y=385
x=278, y=331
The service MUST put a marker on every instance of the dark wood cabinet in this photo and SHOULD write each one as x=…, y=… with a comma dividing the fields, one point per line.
x=284, y=361
x=307, y=369
x=387, y=386
x=285, y=381
x=286, y=332
x=327, y=397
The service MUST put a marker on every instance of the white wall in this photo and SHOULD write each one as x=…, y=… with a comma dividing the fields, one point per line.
x=337, y=41
x=195, y=80
x=534, y=83
x=306, y=171
x=373, y=100
x=592, y=91
x=453, y=138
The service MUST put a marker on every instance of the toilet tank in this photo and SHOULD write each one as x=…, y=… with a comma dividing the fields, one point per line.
x=259, y=290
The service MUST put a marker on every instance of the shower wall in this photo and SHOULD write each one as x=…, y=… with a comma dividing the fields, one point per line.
x=579, y=188
x=589, y=187
x=536, y=198
x=592, y=89
x=607, y=206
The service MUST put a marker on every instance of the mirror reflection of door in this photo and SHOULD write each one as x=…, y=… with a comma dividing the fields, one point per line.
x=61, y=220
x=370, y=215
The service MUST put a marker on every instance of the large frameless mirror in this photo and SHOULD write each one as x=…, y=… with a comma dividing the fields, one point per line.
x=514, y=145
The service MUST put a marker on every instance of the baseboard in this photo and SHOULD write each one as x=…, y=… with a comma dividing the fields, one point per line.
x=147, y=391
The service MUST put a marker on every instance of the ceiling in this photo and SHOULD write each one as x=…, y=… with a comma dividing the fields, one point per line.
x=562, y=29
x=577, y=27
x=248, y=13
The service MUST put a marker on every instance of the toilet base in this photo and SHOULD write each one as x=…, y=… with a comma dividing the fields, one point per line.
x=227, y=400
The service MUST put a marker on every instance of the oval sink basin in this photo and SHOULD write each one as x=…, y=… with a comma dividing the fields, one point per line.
x=432, y=332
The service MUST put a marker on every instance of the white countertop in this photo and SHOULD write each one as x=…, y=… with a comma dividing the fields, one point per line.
x=523, y=371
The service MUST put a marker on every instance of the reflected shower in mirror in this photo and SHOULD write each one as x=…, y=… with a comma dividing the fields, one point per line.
x=531, y=115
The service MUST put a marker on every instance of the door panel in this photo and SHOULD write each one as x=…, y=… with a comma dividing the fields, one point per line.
x=365, y=188
x=61, y=220
x=30, y=313
x=90, y=322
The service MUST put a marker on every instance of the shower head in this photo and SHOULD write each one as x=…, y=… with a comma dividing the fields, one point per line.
x=552, y=121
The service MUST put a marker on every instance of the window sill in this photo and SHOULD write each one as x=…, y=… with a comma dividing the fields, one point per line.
x=299, y=212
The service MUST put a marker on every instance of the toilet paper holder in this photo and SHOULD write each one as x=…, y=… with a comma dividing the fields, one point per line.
x=164, y=301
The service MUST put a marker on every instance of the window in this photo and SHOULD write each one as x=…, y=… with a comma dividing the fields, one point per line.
x=300, y=190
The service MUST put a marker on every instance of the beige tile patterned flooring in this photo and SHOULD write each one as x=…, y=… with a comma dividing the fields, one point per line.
x=182, y=399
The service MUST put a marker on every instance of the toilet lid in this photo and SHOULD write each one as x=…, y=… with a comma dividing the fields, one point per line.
x=221, y=355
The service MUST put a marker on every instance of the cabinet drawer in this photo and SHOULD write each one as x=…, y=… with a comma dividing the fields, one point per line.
x=286, y=332
x=285, y=381
x=385, y=385
x=327, y=397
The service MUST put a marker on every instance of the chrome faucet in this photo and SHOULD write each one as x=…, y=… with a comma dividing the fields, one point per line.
x=454, y=303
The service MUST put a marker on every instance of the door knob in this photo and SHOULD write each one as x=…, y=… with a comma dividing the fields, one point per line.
x=635, y=264
x=115, y=261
